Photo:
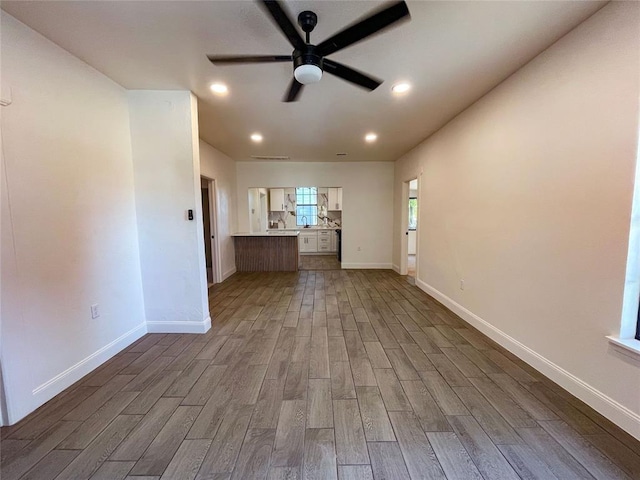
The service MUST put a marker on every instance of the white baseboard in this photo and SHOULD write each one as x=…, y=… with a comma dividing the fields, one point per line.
x=614, y=411
x=180, y=327
x=395, y=268
x=57, y=384
x=377, y=266
x=227, y=274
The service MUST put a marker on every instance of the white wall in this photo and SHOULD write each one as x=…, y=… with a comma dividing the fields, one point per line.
x=69, y=235
x=527, y=197
x=367, y=202
x=165, y=145
x=217, y=166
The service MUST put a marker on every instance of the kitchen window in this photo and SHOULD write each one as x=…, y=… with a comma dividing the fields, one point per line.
x=306, y=206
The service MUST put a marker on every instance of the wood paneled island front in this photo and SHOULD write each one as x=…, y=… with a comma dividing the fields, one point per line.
x=266, y=252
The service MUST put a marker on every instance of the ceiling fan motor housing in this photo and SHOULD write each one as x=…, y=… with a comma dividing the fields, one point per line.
x=307, y=64
x=308, y=56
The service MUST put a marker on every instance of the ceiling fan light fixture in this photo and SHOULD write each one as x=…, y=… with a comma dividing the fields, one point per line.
x=307, y=73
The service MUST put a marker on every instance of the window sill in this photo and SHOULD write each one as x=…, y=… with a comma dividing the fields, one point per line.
x=626, y=346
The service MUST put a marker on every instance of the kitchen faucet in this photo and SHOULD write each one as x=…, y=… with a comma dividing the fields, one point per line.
x=306, y=225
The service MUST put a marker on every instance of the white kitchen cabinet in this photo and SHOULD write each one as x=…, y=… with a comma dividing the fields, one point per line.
x=289, y=199
x=334, y=241
x=324, y=240
x=276, y=200
x=335, y=198
x=308, y=242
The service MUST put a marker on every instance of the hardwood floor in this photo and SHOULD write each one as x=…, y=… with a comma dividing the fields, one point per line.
x=319, y=262
x=318, y=375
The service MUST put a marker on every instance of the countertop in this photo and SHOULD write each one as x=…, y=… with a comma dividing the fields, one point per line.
x=302, y=229
x=271, y=233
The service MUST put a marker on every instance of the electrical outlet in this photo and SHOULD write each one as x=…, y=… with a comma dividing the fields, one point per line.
x=461, y=284
x=95, y=310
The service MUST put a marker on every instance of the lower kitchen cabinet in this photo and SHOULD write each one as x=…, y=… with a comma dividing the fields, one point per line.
x=308, y=242
x=324, y=241
x=318, y=241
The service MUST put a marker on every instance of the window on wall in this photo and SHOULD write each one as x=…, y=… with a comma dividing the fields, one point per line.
x=306, y=206
x=638, y=326
x=413, y=213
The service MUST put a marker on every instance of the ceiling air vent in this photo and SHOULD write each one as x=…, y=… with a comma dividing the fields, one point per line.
x=270, y=157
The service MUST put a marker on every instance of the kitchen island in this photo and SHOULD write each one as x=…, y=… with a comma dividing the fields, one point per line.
x=273, y=251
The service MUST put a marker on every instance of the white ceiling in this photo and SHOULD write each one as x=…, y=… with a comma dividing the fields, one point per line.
x=452, y=52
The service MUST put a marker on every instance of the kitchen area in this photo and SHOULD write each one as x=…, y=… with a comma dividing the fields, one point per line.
x=308, y=216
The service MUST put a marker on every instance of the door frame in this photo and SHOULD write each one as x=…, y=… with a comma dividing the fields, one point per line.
x=404, y=226
x=213, y=222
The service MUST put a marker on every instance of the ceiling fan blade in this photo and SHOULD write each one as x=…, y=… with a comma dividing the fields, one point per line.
x=227, y=59
x=279, y=15
x=295, y=88
x=350, y=75
x=359, y=31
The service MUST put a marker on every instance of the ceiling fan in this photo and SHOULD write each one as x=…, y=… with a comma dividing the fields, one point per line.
x=309, y=60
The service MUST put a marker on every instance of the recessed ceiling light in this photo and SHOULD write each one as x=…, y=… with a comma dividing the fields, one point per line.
x=402, y=87
x=256, y=137
x=371, y=137
x=219, y=88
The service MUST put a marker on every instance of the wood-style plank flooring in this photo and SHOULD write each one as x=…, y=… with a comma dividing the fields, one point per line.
x=319, y=262
x=318, y=375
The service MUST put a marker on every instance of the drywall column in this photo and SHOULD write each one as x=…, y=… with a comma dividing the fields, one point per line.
x=166, y=159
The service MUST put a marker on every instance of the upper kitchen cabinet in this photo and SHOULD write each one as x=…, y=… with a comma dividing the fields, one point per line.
x=290, y=199
x=335, y=198
x=276, y=200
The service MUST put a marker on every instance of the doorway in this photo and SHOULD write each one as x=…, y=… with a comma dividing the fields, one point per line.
x=409, y=230
x=208, y=196
x=412, y=228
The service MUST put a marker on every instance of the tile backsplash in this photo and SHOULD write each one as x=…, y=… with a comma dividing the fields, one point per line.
x=287, y=219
